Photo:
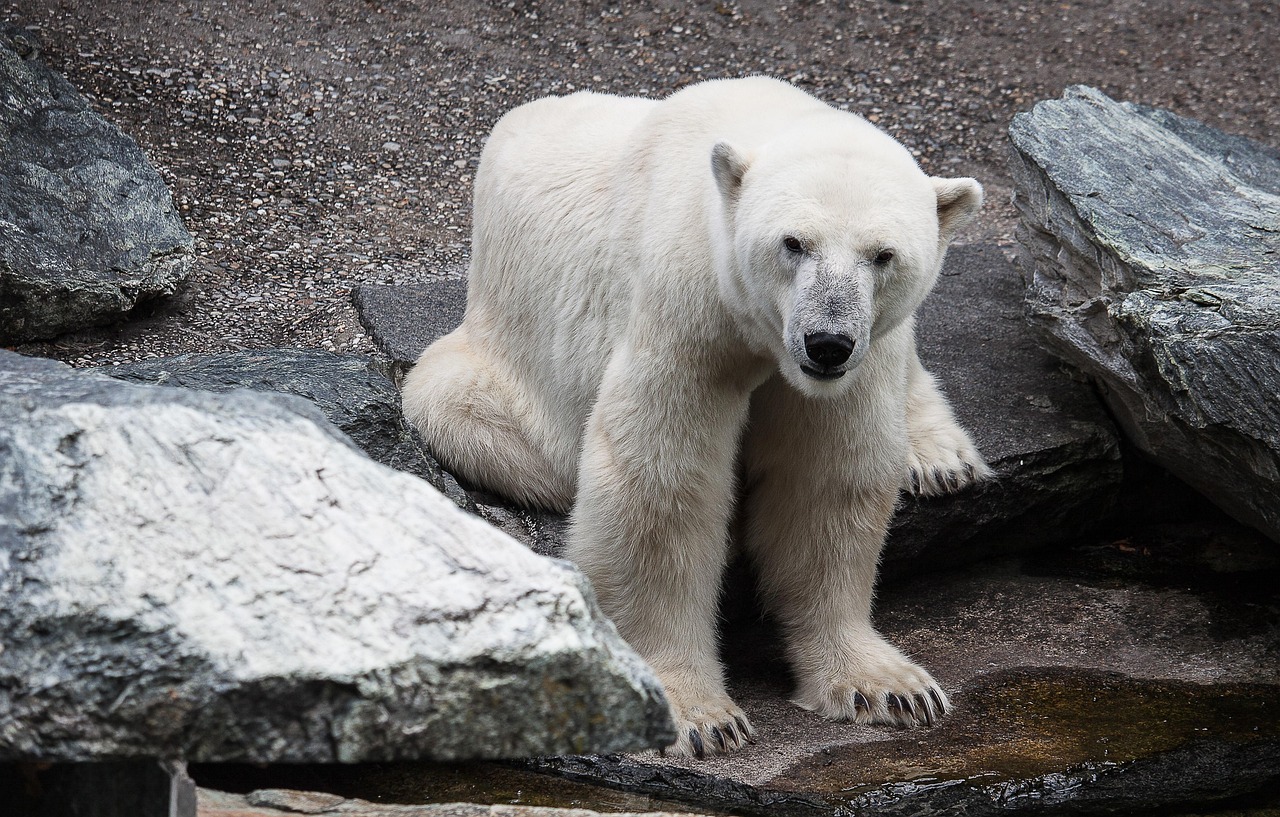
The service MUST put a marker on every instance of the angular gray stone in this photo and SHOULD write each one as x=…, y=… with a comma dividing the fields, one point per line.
x=1055, y=452
x=1155, y=247
x=404, y=320
x=221, y=577
x=88, y=230
x=349, y=389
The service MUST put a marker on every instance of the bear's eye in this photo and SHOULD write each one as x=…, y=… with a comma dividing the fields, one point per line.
x=793, y=244
x=884, y=257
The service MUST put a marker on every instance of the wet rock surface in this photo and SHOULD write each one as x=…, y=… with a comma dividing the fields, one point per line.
x=225, y=577
x=351, y=391
x=1055, y=452
x=1155, y=249
x=88, y=230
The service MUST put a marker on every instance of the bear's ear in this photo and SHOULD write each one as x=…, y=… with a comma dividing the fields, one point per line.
x=958, y=202
x=728, y=166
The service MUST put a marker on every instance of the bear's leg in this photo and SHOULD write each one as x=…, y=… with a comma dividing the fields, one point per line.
x=822, y=479
x=943, y=457
x=650, y=525
x=476, y=421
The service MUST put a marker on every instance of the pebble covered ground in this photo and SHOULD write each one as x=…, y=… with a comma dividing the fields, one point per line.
x=314, y=145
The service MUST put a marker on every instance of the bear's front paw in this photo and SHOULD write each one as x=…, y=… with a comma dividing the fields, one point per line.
x=943, y=460
x=886, y=689
x=708, y=729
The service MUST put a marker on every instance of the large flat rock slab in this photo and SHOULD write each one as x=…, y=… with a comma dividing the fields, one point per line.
x=225, y=577
x=1155, y=246
x=1048, y=438
x=88, y=229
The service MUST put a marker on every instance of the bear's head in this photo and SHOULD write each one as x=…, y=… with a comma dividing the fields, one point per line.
x=829, y=239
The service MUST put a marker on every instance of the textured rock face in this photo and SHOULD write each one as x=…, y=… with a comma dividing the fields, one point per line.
x=87, y=227
x=224, y=577
x=1155, y=244
x=357, y=398
x=1054, y=450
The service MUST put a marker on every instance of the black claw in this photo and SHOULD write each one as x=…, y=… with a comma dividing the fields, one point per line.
x=937, y=701
x=891, y=701
x=969, y=472
x=906, y=705
x=719, y=736
x=953, y=481
x=699, y=749
x=860, y=702
x=742, y=728
x=733, y=735
x=938, y=479
x=926, y=709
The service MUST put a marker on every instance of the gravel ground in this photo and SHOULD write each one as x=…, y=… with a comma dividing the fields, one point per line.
x=313, y=146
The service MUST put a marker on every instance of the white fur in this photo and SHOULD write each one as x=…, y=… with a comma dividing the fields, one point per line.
x=635, y=329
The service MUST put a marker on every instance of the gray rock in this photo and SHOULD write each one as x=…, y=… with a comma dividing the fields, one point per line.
x=404, y=320
x=221, y=577
x=1055, y=451
x=1155, y=246
x=349, y=389
x=88, y=230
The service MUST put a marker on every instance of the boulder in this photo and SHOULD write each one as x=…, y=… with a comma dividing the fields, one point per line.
x=1055, y=451
x=224, y=577
x=351, y=391
x=1154, y=247
x=88, y=230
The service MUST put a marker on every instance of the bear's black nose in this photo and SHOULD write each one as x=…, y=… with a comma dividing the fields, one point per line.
x=827, y=349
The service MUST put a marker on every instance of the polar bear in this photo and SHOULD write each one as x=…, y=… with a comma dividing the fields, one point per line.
x=665, y=294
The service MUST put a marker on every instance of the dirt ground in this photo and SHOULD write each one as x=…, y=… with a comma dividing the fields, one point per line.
x=313, y=146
